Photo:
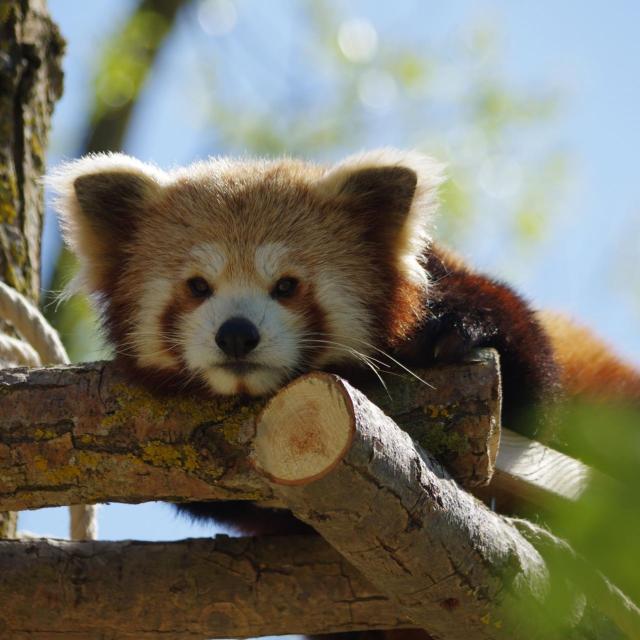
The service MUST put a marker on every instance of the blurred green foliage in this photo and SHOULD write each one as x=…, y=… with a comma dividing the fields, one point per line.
x=125, y=63
x=605, y=524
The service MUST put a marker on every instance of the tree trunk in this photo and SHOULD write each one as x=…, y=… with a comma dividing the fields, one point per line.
x=31, y=49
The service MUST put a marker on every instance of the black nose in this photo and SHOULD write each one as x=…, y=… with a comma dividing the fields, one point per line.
x=237, y=336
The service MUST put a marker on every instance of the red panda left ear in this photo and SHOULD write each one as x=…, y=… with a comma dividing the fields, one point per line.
x=383, y=195
x=393, y=196
x=99, y=200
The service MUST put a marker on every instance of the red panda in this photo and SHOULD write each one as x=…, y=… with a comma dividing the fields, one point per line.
x=235, y=276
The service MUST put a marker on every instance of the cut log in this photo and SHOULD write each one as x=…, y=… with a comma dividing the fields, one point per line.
x=392, y=511
x=83, y=434
x=186, y=590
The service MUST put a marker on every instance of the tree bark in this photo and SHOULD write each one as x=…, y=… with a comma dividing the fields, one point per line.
x=186, y=590
x=30, y=83
x=83, y=434
x=453, y=567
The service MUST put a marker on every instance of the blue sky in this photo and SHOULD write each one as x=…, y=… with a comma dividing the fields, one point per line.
x=589, y=262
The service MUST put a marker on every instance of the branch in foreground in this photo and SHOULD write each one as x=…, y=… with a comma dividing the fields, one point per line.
x=83, y=434
x=187, y=590
x=453, y=567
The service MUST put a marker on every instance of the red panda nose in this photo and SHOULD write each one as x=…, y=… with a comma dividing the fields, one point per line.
x=237, y=337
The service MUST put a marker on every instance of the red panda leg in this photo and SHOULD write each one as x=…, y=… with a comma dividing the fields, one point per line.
x=467, y=310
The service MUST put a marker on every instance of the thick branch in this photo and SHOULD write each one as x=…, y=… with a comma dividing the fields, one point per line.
x=392, y=511
x=187, y=590
x=30, y=82
x=83, y=434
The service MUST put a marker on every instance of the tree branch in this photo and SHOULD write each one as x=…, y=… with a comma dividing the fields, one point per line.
x=445, y=561
x=187, y=590
x=83, y=434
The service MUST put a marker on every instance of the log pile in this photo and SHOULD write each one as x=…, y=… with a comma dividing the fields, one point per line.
x=402, y=544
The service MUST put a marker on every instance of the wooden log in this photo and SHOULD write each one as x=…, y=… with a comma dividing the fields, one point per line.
x=536, y=474
x=455, y=568
x=83, y=434
x=345, y=468
x=185, y=590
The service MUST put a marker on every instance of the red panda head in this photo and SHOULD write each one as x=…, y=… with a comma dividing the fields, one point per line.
x=242, y=274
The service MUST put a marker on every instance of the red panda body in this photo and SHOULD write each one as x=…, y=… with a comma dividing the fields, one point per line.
x=235, y=277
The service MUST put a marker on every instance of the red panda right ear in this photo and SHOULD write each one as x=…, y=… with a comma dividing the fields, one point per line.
x=99, y=199
x=392, y=195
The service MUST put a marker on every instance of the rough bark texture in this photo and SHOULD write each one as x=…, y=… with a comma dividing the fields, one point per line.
x=454, y=567
x=30, y=82
x=192, y=589
x=82, y=434
x=461, y=406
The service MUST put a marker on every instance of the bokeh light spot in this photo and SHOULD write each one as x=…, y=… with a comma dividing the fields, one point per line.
x=358, y=40
x=217, y=17
x=377, y=89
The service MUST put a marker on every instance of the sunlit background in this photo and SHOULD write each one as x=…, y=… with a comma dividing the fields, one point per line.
x=533, y=105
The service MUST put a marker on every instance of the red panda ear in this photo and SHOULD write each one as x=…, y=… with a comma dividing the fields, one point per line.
x=99, y=199
x=380, y=195
x=392, y=194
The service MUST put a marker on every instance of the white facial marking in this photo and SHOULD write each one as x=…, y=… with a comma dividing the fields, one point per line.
x=210, y=258
x=268, y=259
x=277, y=353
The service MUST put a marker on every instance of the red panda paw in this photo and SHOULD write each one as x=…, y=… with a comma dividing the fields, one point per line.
x=452, y=345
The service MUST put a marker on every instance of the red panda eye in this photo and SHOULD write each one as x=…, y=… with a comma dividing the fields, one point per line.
x=284, y=288
x=199, y=287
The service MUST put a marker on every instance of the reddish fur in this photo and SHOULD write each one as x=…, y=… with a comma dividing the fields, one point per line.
x=589, y=368
x=316, y=324
x=305, y=303
x=467, y=310
x=166, y=381
x=402, y=312
x=181, y=304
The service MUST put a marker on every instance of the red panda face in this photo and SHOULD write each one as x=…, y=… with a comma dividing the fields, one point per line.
x=241, y=275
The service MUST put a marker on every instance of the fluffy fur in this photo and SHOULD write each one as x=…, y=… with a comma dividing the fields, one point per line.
x=355, y=238
x=588, y=366
x=352, y=236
